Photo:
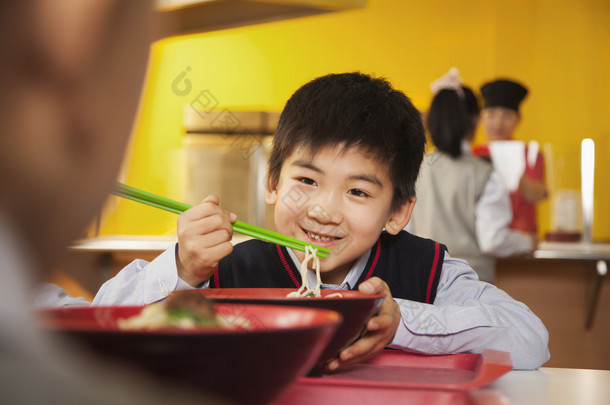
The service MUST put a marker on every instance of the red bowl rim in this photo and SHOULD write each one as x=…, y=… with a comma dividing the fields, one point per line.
x=323, y=318
x=257, y=294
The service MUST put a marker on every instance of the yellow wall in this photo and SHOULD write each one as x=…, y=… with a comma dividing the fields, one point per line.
x=559, y=48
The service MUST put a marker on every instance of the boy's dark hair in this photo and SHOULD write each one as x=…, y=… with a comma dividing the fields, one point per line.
x=448, y=122
x=354, y=110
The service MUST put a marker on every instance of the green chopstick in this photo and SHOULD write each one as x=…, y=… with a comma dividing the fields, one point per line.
x=144, y=197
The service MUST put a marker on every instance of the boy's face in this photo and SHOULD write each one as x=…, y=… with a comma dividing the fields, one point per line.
x=499, y=123
x=339, y=199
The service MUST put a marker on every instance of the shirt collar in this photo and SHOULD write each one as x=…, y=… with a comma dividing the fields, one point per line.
x=350, y=280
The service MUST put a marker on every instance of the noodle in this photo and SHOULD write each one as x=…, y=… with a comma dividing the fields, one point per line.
x=305, y=290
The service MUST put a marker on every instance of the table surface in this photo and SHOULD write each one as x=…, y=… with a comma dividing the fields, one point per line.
x=556, y=386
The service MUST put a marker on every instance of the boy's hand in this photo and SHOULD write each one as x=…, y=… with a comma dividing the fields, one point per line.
x=380, y=329
x=204, y=237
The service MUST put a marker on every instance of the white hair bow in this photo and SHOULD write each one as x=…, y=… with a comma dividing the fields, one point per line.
x=449, y=81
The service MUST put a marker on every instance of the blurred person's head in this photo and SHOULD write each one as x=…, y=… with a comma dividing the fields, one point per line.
x=500, y=115
x=70, y=75
x=453, y=114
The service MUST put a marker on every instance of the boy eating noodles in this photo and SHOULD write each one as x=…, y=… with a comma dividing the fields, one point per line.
x=341, y=175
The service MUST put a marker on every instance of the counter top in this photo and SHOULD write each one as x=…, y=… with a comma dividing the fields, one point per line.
x=133, y=243
x=124, y=243
x=573, y=250
x=546, y=250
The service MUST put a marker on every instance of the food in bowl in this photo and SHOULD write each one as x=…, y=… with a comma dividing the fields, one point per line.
x=182, y=310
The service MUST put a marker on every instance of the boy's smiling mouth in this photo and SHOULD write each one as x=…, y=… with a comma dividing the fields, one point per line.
x=320, y=237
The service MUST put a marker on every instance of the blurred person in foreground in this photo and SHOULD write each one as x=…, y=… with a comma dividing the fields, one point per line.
x=462, y=202
x=499, y=119
x=71, y=74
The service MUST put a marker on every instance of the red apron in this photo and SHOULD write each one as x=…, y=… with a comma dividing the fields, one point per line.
x=524, y=212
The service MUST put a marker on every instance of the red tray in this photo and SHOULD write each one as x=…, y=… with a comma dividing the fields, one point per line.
x=397, y=377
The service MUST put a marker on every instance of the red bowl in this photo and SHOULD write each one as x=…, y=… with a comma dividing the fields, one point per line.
x=248, y=366
x=355, y=308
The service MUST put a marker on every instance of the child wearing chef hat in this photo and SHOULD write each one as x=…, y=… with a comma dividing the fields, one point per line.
x=499, y=119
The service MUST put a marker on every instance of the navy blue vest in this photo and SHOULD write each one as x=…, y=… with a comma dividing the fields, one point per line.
x=410, y=265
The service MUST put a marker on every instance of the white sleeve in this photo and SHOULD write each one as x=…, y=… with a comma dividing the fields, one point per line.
x=493, y=214
x=469, y=315
x=50, y=295
x=141, y=282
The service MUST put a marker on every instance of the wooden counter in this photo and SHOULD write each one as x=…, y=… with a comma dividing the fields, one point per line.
x=565, y=284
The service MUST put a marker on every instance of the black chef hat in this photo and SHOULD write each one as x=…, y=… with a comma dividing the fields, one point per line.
x=503, y=93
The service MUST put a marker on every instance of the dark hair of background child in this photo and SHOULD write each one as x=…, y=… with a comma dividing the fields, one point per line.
x=354, y=110
x=451, y=119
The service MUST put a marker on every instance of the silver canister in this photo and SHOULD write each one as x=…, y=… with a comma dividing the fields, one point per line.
x=226, y=154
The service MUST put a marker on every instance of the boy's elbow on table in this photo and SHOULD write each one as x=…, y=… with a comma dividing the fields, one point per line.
x=530, y=360
x=536, y=357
